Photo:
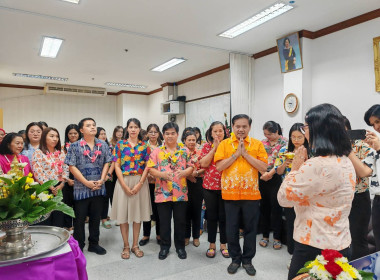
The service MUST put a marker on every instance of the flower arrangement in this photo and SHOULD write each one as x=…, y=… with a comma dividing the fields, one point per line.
x=172, y=158
x=22, y=198
x=332, y=265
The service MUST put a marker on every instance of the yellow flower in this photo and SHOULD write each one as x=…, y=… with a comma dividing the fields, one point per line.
x=347, y=268
x=33, y=197
x=174, y=159
x=317, y=264
x=141, y=148
x=132, y=165
x=180, y=145
x=27, y=187
x=29, y=180
x=30, y=175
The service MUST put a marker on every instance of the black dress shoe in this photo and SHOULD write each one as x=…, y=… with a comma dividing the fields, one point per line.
x=250, y=269
x=143, y=242
x=163, y=254
x=97, y=249
x=181, y=254
x=232, y=268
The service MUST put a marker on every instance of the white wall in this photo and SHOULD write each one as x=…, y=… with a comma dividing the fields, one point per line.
x=22, y=106
x=339, y=70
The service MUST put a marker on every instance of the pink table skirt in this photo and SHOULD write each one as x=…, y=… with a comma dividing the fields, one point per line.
x=71, y=265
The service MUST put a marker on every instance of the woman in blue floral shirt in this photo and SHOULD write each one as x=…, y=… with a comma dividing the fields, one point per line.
x=131, y=199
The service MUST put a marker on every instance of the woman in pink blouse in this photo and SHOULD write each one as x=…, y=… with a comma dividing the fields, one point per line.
x=320, y=189
x=11, y=147
x=48, y=164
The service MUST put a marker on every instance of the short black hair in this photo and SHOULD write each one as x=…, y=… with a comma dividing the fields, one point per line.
x=328, y=136
x=347, y=123
x=199, y=139
x=209, y=131
x=186, y=130
x=81, y=123
x=286, y=38
x=4, y=146
x=43, y=144
x=374, y=111
x=241, y=116
x=160, y=138
x=187, y=134
x=136, y=122
x=296, y=127
x=67, y=130
x=170, y=125
x=272, y=127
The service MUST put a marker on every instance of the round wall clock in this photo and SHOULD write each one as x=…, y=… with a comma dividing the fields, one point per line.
x=291, y=103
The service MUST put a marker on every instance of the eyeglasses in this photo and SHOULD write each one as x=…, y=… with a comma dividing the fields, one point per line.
x=303, y=128
x=152, y=132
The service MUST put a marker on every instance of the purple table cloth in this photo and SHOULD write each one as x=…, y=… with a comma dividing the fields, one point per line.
x=71, y=265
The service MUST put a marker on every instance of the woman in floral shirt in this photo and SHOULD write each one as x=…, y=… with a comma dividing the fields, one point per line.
x=321, y=188
x=170, y=164
x=212, y=190
x=270, y=181
x=131, y=200
x=194, y=183
x=48, y=164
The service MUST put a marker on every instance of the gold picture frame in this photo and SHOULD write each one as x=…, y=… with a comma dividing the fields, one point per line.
x=376, y=55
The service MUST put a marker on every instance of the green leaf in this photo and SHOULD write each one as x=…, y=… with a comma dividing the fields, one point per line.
x=22, y=181
x=15, y=213
x=303, y=270
x=46, y=186
x=35, y=211
x=4, y=201
x=7, y=181
x=65, y=209
x=26, y=203
x=366, y=275
x=58, y=197
x=3, y=214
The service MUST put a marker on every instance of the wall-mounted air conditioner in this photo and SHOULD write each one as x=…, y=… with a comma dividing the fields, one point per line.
x=74, y=90
x=173, y=108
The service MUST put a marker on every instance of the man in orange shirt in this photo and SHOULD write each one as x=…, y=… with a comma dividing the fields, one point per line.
x=240, y=159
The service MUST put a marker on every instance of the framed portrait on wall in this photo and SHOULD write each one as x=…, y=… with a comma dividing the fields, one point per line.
x=289, y=53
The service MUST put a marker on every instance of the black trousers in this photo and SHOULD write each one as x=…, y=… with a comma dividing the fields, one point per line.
x=110, y=187
x=68, y=198
x=249, y=210
x=91, y=207
x=270, y=210
x=215, y=214
x=290, y=216
x=359, y=220
x=56, y=219
x=304, y=253
x=376, y=220
x=194, y=208
x=165, y=212
x=147, y=225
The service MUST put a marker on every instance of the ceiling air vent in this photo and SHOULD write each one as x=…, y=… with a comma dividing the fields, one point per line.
x=74, y=90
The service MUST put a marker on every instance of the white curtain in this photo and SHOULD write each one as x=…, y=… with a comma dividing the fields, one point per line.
x=242, y=90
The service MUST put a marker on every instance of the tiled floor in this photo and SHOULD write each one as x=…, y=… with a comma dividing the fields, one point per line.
x=270, y=264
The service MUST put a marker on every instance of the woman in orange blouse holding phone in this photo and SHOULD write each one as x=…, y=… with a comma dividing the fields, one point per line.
x=320, y=189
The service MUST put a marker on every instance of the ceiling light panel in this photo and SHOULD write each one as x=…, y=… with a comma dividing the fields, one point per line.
x=261, y=17
x=50, y=47
x=40, y=77
x=171, y=63
x=72, y=1
x=112, y=84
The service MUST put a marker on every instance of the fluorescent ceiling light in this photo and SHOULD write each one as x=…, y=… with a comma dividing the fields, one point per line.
x=72, y=1
x=263, y=16
x=40, y=77
x=50, y=47
x=124, y=85
x=168, y=64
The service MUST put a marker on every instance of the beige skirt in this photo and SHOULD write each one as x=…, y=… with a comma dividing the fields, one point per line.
x=136, y=208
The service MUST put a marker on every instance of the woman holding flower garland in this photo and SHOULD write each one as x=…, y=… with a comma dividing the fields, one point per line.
x=283, y=165
x=212, y=190
x=33, y=134
x=11, y=148
x=88, y=160
x=195, y=195
x=170, y=165
x=131, y=200
x=155, y=140
x=72, y=134
x=270, y=181
x=320, y=189
x=48, y=164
